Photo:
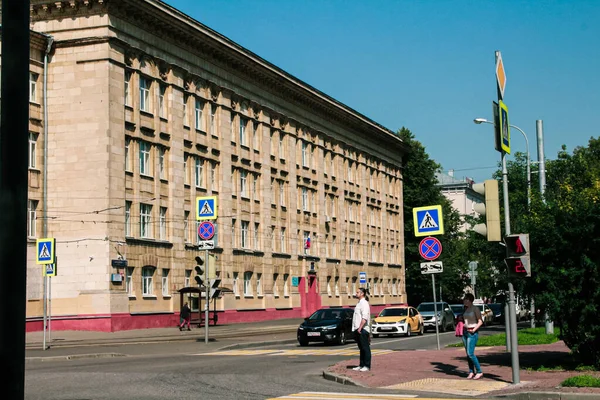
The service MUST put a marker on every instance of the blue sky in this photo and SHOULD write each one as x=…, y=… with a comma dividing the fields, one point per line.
x=429, y=65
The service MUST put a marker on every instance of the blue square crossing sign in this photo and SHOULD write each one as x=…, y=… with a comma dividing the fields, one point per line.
x=206, y=208
x=45, y=251
x=428, y=220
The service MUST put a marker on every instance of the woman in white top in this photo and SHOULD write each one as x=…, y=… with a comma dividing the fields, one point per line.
x=473, y=321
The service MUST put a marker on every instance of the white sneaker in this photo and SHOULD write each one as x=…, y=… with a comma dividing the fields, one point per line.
x=364, y=369
x=357, y=368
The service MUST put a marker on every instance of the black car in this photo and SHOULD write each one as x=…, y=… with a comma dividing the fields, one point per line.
x=330, y=325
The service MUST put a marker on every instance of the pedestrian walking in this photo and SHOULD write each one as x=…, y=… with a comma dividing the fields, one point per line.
x=360, y=327
x=186, y=316
x=473, y=321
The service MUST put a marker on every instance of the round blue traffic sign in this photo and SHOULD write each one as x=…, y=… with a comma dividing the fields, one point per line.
x=430, y=248
x=206, y=230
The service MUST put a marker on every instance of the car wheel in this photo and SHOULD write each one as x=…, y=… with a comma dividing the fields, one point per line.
x=303, y=343
x=375, y=335
x=407, y=334
x=342, y=338
x=421, y=330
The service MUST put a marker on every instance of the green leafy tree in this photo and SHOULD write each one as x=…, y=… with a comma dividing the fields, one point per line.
x=419, y=184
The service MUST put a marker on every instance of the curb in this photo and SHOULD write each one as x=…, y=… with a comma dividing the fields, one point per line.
x=341, y=379
x=256, y=344
x=74, y=357
x=548, y=396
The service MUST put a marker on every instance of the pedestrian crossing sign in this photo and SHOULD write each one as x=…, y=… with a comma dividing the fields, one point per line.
x=49, y=270
x=45, y=251
x=428, y=220
x=206, y=208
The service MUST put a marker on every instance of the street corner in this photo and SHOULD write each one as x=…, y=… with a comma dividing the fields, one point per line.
x=458, y=387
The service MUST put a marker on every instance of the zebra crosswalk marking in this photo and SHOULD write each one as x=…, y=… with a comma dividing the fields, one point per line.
x=294, y=352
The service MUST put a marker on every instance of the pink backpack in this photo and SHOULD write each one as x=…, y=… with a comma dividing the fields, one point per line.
x=459, y=328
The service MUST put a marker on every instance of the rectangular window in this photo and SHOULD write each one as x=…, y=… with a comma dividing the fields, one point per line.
x=281, y=145
x=145, y=159
x=199, y=173
x=161, y=163
x=281, y=193
x=232, y=127
x=234, y=283
x=163, y=223
x=282, y=240
x=145, y=219
x=32, y=218
x=33, y=78
x=351, y=250
x=147, y=273
x=32, y=149
x=247, y=283
x=213, y=119
x=275, y=288
x=165, y=282
x=245, y=241
x=256, y=137
x=129, y=280
x=186, y=116
x=259, y=284
x=127, y=88
x=256, y=236
x=243, y=123
x=199, y=120
x=162, y=105
x=244, y=183
x=334, y=247
x=186, y=226
x=233, y=239
x=213, y=176
x=145, y=94
x=337, y=286
x=286, y=289
x=127, y=155
x=187, y=278
x=304, y=199
x=304, y=155
x=186, y=174
x=128, y=218
x=325, y=164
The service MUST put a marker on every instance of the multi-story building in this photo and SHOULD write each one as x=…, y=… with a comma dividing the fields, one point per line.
x=147, y=109
x=460, y=192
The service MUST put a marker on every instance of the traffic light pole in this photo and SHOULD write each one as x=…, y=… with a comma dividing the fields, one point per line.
x=513, y=343
x=206, y=302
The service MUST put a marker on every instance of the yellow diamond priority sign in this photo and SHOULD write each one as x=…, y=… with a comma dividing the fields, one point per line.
x=500, y=75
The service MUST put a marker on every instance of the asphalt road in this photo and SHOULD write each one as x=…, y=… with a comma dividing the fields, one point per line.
x=198, y=371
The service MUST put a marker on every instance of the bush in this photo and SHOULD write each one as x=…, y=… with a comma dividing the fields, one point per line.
x=582, y=381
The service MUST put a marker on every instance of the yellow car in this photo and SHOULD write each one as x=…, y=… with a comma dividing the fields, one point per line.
x=403, y=320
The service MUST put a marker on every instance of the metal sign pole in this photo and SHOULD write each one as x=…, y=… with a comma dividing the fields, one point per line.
x=50, y=308
x=45, y=300
x=206, y=305
x=437, y=330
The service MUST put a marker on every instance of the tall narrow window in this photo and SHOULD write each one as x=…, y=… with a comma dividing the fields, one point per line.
x=162, y=104
x=32, y=149
x=244, y=183
x=351, y=250
x=145, y=94
x=256, y=236
x=282, y=193
x=245, y=241
x=255, y=186
x=187, y=278
x=163, y=223
x=165, y=282
x=213, y=176
x=127, y=155
x=186, y=172
x=213, y=119
x=234, y=284
x=147, y=287
x=247, y=283
x=32, y=218
x=281, y=145
x=127, y=88
x=186, y=116
x=275, y=288
x=129, y=280
x=128, y=218
x=282, y=240
x=304, y=199
x=233, y=238
x=259, y=284
x=145, y=219
x=199, y=173
x=256, y=137
x=161, y=163
x=286, y=289
x=304, y=155
x=243, y=123
x=145, y=159
x=199, y=120
x=33, y=78
x=186, y=227
x=233, y=127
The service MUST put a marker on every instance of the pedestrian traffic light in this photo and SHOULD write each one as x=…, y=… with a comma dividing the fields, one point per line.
x=199, y=271
x=490, y=208
x=517, y=255
x=214, y=288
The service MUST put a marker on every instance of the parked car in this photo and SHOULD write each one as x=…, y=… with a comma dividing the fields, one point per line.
x=457, y=309
x=330, y=325
x=486, y=313
x=498, y=310
x=398, y=320
x=445, y=317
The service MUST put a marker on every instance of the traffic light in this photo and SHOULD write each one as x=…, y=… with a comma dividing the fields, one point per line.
x=214, y=288
x=199, y=271
x=491, y=210
x=517, y=255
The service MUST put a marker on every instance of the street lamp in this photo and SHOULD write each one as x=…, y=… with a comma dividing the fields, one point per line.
x=479, y=121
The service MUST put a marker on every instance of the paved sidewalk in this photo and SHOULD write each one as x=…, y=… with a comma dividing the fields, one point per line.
x=444, y=372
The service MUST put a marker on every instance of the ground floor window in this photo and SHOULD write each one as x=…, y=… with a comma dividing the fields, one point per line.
x=147, y=287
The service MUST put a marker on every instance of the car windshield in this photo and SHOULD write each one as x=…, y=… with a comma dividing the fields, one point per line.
x=457, y=308
x=326, y=314
x=394, y=312
x=429, y=307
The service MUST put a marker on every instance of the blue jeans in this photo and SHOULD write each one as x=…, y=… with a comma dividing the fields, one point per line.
x=470, y=341
x=362, y=339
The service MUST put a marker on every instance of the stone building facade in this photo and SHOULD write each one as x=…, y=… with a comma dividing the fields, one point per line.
x=148, y=109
